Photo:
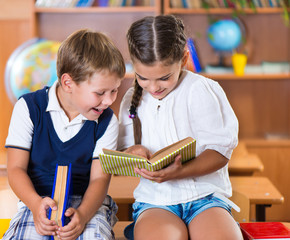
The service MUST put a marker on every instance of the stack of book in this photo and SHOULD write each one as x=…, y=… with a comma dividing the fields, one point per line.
x=228, y=3
x=89, y=3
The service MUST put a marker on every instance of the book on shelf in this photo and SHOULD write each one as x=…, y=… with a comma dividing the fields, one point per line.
x=60, y=194
x=121, y=163
x=264, y=231
x=193, y=58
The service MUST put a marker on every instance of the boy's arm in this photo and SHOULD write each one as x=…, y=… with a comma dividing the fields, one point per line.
x=96, y=191
x=22, y=186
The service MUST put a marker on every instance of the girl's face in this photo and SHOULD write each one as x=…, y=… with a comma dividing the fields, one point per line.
x=91, y=97
x=158, y=79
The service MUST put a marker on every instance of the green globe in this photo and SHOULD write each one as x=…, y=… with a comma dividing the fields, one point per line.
x=31, y=67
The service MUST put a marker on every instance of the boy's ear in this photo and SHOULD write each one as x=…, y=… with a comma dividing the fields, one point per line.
x=185, y=58
x=66, y=82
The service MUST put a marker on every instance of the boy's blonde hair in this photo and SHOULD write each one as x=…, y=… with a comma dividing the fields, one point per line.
x=86, y=52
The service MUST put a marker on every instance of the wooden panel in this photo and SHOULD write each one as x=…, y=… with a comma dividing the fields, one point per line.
x=13, y=33
x=276, y=160
x=57, y=26
x=15, y=9
x=262, y=107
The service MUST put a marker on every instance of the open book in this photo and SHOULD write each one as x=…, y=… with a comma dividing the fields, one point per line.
x=60, y=194
x=121, y=163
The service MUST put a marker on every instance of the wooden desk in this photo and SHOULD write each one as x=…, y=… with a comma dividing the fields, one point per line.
x=121, y=188
x=260, y=191
x=245, y=165
x=4, y=183
x=3, y=163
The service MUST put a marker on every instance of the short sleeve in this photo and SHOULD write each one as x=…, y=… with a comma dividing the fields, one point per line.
x=109, y=139
x=21, y=127
x=214, y=121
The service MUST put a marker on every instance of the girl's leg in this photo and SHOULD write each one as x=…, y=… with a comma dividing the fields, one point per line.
x=155, y=223
x=214, y=223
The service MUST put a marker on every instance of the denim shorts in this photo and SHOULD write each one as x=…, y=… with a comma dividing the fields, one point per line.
x=185, y=211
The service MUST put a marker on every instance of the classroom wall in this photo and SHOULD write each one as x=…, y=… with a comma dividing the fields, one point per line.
x=15, y=28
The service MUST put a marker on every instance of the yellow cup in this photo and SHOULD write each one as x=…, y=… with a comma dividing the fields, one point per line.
x=239, y=62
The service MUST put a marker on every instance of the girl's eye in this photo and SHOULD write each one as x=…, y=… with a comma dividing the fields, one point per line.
x=164, y=79
x=100, y=93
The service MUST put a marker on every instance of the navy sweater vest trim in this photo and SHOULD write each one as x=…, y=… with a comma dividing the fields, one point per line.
x=48, y=150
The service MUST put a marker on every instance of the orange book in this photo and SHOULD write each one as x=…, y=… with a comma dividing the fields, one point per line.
x=60, y=194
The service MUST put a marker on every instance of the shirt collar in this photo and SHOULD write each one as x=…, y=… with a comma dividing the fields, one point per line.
x=53, y=103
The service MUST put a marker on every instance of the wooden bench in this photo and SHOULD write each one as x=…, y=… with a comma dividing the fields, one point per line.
x=260, y=191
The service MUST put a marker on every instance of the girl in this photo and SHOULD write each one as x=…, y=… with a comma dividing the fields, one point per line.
x=70, y=122
x=167, y=104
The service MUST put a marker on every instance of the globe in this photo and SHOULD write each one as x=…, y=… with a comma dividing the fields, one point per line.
x=31, y=67
x=224, y=35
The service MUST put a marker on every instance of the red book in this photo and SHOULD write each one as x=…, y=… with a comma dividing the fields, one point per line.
x=264, y=230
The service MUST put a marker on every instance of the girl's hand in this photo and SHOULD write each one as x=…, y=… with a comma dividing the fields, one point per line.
x=165, y=174
x=43, y=225
x=139, y=150
x=75, y=227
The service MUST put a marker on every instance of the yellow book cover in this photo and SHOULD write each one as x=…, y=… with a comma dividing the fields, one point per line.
x=121, y=163
x=60, y=194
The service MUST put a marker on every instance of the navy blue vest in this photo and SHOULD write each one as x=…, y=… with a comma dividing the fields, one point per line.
x=48, y=150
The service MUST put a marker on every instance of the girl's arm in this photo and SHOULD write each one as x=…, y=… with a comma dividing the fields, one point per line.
x=91, y=202
x=207, y=162
x=22, y=186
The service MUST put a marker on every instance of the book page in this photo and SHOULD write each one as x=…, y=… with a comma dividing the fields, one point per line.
x=169, y=149
x=62, y=195
x=56, y=195
x=122, y=154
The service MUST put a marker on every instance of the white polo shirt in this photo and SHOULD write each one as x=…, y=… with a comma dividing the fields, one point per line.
x=199, y=108
x=21, y=127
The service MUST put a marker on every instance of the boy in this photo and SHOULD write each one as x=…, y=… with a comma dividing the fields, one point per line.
x=70, y=122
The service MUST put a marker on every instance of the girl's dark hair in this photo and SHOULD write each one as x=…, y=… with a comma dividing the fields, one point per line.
x=150, y=40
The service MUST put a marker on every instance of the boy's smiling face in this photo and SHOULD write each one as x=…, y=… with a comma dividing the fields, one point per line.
x=91, y=97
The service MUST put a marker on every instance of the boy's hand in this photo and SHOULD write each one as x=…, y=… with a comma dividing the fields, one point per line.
x=139, y=150
x=43, y=225
x=165, y=174
x=75, y=227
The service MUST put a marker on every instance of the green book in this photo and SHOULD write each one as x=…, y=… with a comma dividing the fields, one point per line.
x=121, y=163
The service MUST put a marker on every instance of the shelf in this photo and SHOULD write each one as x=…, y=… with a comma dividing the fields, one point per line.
x=263, y=142
x=96, y=9
x=248, y=76
x=233, y=77
x=223, y=11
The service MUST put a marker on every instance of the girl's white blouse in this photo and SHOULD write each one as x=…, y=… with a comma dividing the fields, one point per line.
x=199, y=108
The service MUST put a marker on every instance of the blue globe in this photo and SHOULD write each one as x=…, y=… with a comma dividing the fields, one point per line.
x=31, y=67
x=224, y=35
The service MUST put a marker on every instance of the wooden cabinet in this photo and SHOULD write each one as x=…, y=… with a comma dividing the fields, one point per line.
x=260, y=101
x=58, y=23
